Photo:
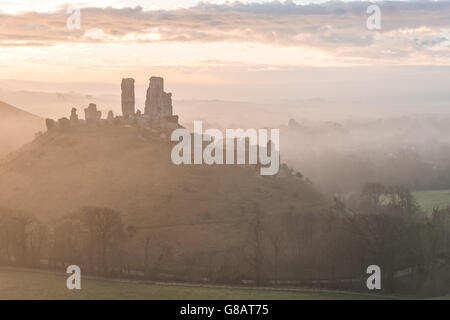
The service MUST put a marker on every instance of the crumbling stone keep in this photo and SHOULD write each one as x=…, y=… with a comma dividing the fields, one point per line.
x=158, y=104
x=128, y=97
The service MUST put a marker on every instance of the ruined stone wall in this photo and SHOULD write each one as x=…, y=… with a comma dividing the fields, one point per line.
x=167, y=105
x=91, y=114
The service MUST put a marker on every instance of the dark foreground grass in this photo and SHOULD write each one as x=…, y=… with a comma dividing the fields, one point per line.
x=30, y=284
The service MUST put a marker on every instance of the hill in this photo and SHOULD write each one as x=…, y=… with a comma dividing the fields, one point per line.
x=119, y=167
x=17, y=127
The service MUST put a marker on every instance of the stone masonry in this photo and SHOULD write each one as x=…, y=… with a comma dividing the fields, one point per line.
x=128, y=98
x=158, y=104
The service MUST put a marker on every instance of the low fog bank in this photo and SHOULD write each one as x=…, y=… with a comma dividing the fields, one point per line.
x=56, y=104
x=340, y=149
x=16, y=128
x=340, y=157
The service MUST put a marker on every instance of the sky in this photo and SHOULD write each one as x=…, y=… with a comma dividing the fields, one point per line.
x=218, y=42
x=12, y=6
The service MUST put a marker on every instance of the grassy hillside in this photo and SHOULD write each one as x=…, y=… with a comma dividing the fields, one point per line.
x=17, y=127
x=118, y=167
x=433, y=198
x=25, y=284
x=196, y=207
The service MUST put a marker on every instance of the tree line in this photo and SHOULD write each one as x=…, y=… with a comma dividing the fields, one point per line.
x=328, y=247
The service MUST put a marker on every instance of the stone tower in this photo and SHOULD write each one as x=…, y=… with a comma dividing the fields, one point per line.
x=158, y=103
x=128, y=99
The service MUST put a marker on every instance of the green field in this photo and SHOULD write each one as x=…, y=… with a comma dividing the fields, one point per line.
x=433, y=198
x=26, y=284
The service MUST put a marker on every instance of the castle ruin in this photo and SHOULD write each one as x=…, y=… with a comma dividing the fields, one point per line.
x=91, y=114
x=158, y=104
x=158, y=116
x=128, y=99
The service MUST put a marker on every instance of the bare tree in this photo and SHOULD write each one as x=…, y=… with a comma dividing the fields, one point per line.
x=276, y=236
x=255, y=235
x=373, y=193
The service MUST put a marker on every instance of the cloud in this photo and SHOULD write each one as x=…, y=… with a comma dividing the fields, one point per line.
x=417, y=29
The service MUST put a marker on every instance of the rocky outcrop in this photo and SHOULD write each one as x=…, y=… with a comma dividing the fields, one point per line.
x=128, y=97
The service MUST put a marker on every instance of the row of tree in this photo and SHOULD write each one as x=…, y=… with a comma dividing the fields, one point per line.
x=329, y=247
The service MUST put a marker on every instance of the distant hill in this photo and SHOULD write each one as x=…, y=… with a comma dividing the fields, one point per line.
x=55, y=104
x=17, y=127
x=120, y=168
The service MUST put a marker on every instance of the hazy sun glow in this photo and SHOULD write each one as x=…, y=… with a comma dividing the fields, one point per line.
x=133, y=37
